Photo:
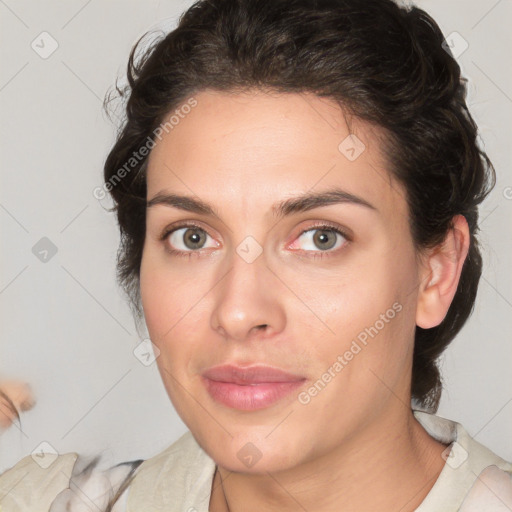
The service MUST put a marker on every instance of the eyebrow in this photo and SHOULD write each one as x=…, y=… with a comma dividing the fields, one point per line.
x=297, y=204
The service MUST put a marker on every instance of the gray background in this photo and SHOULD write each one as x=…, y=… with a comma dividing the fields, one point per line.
x=65, y=326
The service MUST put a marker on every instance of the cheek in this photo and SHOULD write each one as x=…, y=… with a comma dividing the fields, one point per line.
x=153, y=295
x=158, y=296
x=168, y=300
x=371, y=317
x=172, y=308
x=162, y=313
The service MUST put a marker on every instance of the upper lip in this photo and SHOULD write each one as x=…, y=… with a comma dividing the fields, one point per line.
x=249, y=374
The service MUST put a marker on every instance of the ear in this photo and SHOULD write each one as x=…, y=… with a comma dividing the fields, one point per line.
x=440, y=275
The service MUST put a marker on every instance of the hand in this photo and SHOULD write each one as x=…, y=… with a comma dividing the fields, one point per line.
x=15, y=396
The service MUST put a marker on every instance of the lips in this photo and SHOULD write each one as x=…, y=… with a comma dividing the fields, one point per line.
x=251, y=387
x=249, y=375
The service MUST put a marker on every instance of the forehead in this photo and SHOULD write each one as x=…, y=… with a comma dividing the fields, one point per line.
x=254, y=148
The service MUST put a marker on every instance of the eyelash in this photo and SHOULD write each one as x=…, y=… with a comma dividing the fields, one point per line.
x=316, y=254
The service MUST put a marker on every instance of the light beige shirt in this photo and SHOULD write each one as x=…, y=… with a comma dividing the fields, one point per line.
x=179, y=479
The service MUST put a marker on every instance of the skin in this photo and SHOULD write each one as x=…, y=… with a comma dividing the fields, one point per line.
x=242, y=153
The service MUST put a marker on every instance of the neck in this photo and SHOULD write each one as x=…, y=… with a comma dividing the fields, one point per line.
x=390, y=465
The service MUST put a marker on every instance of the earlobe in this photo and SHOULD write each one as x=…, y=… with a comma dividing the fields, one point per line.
x=441, y=275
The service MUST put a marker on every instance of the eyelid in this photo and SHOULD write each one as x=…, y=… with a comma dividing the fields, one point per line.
x=167, y=230
x=328, y=225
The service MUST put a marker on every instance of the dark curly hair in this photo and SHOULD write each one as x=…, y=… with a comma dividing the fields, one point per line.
x=382, y=62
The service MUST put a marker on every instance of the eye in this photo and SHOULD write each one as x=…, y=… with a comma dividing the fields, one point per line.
x=323, y=238
x=189, y=239
x=186, y=238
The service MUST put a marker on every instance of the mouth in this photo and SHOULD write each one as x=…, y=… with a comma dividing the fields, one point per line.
x=249, y=388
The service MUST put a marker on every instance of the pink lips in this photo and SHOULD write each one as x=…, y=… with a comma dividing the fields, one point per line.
x=249, y=388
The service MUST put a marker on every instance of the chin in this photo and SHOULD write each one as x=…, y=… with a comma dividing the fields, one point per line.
x=251, y=450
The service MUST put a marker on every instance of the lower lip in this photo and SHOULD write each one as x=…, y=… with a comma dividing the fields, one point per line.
x=249, y=397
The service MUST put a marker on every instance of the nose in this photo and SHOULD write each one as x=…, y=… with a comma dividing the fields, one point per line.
x=248, y=301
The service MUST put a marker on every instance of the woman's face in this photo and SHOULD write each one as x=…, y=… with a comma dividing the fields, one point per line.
x=263, y=278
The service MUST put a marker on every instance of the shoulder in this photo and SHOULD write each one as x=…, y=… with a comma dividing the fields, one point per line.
x=52, y=483
x=93, y=488
x=490, y=476
x=48, y=482
x=34, y=482
x=491, y=491
x=181, y=474
x=474, y=478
